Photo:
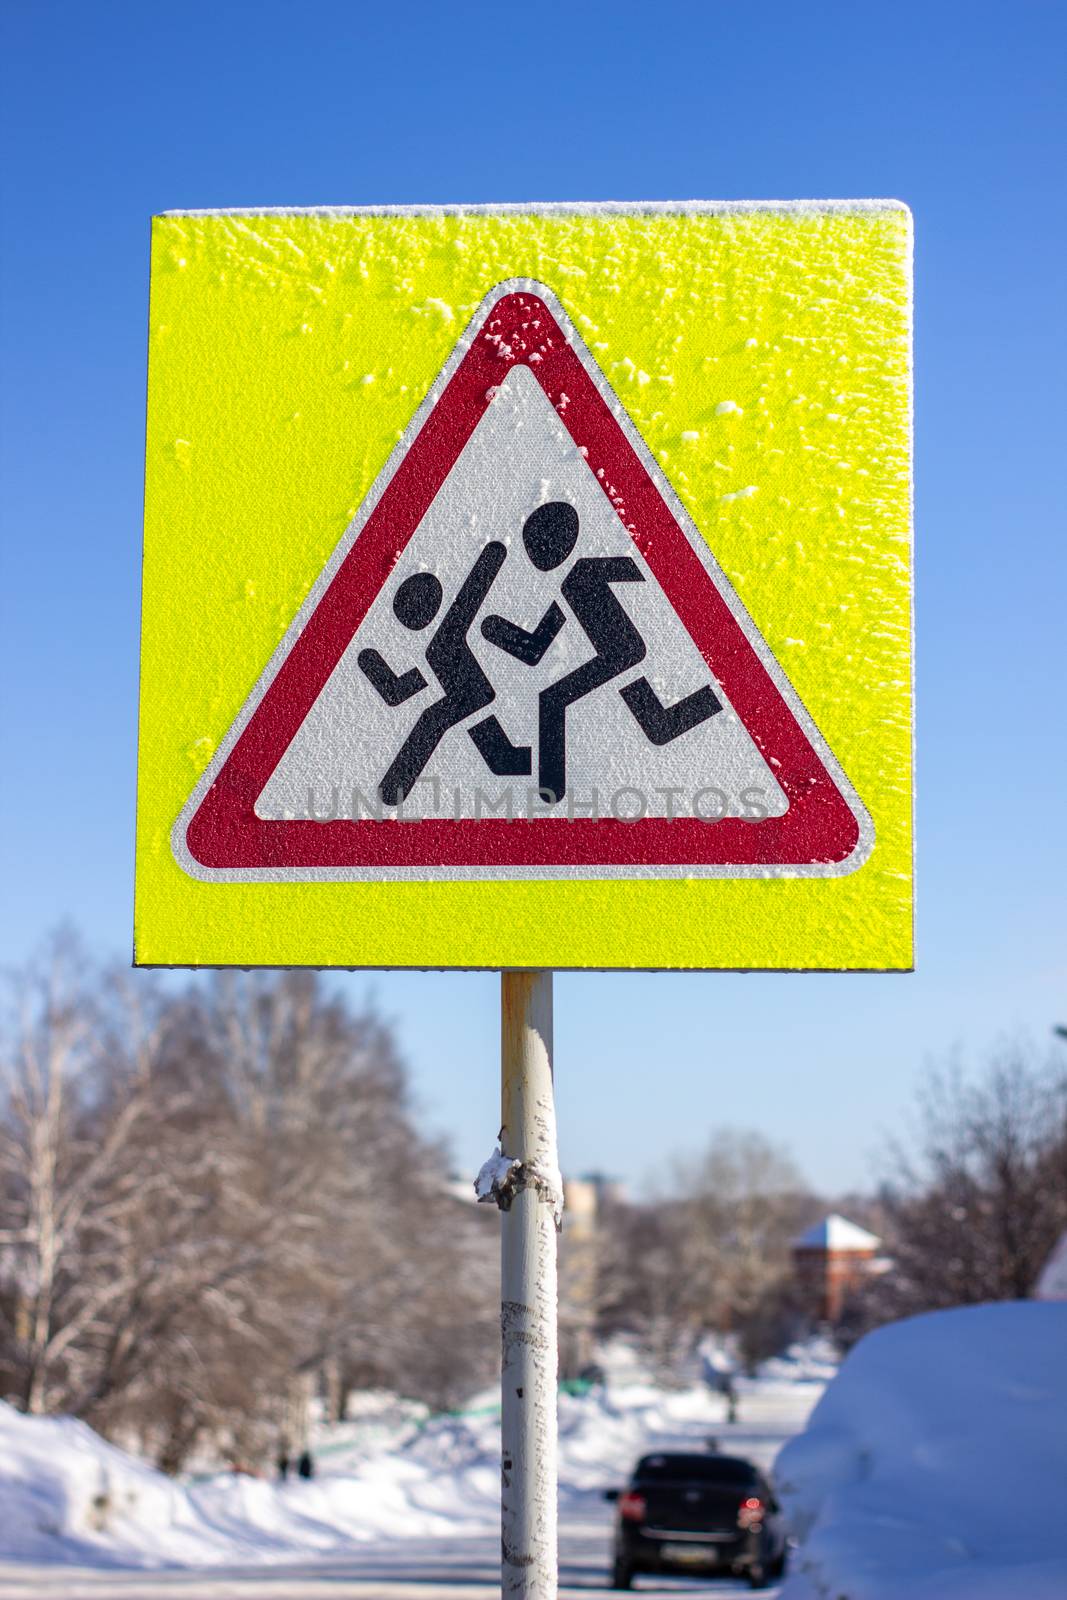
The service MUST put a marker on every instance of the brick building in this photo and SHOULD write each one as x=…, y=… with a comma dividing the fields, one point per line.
x=830, y=1260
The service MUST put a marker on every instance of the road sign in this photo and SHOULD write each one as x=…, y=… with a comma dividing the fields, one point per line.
x=609, y=664
x=517, y=493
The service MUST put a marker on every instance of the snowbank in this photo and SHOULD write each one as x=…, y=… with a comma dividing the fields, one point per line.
x=934, y=1466
x=66, y=1495
x=812, y=1360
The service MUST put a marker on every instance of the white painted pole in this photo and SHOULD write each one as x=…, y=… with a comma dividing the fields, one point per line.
x=529, y=1362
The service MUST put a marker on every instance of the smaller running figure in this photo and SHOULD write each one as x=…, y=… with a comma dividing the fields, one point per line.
x=550, y=534
x=452, y=662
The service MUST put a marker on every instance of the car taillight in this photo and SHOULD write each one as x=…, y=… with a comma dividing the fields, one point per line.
x=750, y=1512
x=632, y=1507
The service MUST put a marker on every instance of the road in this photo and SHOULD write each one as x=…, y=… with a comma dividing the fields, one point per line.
x=454, y=1569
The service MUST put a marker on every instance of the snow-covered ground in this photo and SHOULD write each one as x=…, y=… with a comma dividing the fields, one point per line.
x=935, y=1466
x=395, y=1495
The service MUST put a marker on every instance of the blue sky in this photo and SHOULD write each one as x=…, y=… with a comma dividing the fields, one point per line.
x=116, y=111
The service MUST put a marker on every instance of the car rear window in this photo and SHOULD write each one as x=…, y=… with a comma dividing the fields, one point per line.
x=726, y=1470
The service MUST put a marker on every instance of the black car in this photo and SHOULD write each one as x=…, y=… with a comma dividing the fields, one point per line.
x=696, y=1514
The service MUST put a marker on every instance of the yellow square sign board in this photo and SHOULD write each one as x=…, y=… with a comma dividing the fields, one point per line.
x=528, y=588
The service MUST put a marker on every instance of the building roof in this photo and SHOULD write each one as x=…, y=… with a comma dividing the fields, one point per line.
x=1052, y=1282
x=836, y=1233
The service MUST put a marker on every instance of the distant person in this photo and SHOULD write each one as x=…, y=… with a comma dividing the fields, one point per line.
x=305, y=1467
x=284, y=1461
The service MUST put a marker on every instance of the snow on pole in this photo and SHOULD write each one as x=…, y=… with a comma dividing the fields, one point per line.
x=526, y=1184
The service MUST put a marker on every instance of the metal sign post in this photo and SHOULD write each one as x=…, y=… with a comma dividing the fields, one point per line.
x=529, y=1192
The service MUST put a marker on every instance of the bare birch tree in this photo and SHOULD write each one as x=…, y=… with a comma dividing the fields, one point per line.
x=209, y=1198
x=67, y=1169
x=712, y=1254
x=976, y=1196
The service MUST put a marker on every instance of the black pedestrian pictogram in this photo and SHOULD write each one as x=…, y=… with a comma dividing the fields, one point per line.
x=659, y=723
x=450, y=659
x=550, y=535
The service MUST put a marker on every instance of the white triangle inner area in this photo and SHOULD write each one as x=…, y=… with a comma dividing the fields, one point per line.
x=519, y=457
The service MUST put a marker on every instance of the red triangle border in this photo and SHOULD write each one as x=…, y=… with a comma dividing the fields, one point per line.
x=219, y=833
